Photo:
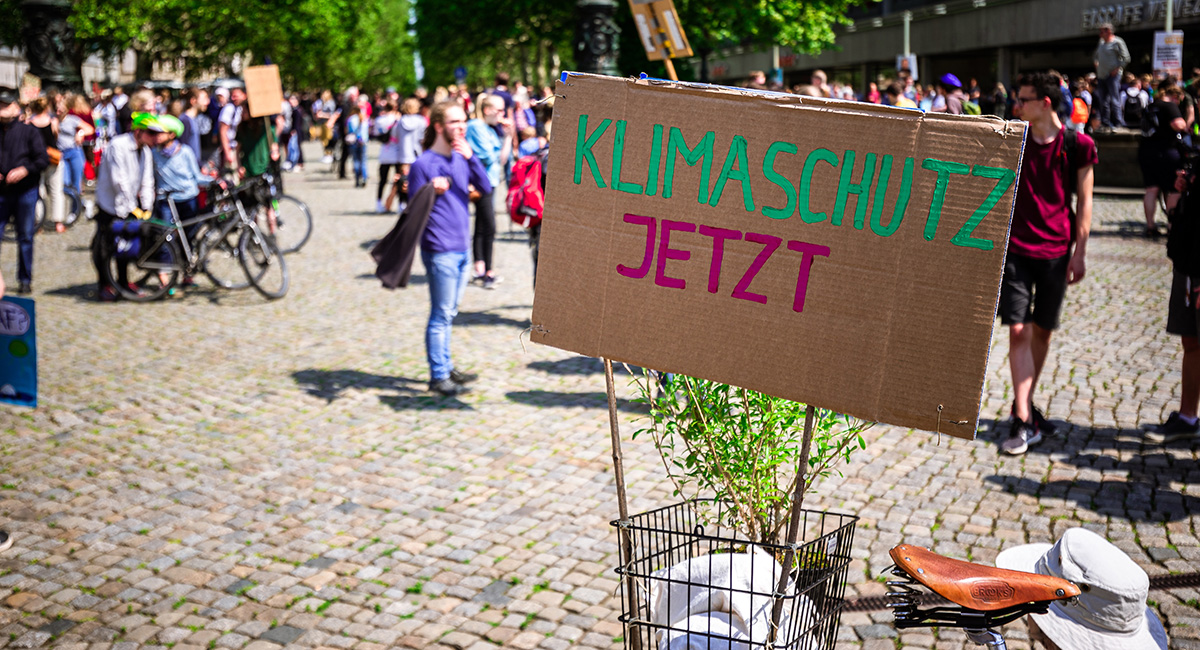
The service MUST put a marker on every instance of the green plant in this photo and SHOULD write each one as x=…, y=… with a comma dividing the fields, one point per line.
x=742, y=447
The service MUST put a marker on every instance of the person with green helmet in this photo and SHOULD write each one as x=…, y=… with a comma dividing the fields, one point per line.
x=177, y=176
x=124, y=188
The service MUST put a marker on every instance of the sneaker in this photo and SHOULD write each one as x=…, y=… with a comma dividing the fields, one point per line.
x=6, y=541
x=463, y=377
x=24, y=288
x=379, y=207
x=1039, y=421
x=1175, y=428
x=477, y=280
x=188, y=283
x=108, y=294
x=489, y=282
x=326, y=160
x=1023, y=437
x=140, y=292
x=447, y=387
x=1151, y=232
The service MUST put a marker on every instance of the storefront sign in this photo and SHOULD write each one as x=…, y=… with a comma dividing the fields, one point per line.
x=1129, y=14
x=840, y=254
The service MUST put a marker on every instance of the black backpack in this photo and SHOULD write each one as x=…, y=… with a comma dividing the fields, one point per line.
x=1133, y=110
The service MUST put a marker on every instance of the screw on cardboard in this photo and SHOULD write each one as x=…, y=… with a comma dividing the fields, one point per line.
x=843, y=255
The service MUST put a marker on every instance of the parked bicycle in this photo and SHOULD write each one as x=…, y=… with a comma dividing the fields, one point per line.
x=293, y=221
x=154, y=254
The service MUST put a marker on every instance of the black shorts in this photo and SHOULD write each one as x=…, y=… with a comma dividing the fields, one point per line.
x=1033, y=290
x=1183, y=311
x=1158, y=165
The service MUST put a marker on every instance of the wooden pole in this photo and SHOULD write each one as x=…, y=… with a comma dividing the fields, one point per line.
x=794, y=523
x=670, y=69
x=622, y=503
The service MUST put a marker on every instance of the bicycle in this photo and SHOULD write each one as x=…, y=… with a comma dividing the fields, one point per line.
x=986, y=597
x=163, y=252
x=293, y=221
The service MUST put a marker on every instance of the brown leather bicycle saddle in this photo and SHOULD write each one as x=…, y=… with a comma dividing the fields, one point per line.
x=975, y=586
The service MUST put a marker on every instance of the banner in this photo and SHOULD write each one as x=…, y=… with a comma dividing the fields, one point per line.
x=18, y=352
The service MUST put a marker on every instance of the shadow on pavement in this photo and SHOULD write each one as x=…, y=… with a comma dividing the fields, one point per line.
x=488, y=318
x=558, y=399
x=414, y=279
x=82, y=292
x=329, y=385
x=1132, y=229
x=576, y=366
x=1138, y=489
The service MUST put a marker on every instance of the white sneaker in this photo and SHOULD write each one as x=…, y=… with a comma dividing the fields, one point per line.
x=325, y=160
x=379, y=207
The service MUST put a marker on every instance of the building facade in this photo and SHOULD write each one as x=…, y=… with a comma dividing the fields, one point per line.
x=986, y=40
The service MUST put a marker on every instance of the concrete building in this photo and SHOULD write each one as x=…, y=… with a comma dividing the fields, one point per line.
x=988, y=40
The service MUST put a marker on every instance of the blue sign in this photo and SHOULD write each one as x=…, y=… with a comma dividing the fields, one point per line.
x=460, y=74
x=18, y=352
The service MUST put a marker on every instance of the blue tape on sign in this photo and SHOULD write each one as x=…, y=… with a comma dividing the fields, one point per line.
x=643, y=76
x=563, y=78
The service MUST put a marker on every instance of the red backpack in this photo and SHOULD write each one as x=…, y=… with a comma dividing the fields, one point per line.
x=525, y=196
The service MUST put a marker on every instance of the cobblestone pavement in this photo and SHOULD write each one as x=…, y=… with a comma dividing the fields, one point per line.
x=216, y=470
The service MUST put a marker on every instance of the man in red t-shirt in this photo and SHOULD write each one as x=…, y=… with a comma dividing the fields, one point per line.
x=1046, y=248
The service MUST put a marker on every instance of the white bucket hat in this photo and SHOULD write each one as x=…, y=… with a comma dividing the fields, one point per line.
x=1111, y=613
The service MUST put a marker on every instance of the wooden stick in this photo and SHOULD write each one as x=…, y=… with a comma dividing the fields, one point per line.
x=670, y=69
x=622, y=504
x=794, y=523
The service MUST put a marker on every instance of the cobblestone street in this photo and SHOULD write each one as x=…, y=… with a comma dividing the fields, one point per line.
x=216, y=470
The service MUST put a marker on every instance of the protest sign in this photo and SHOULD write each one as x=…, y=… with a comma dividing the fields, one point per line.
x=1168, y=54
x=18, y=352
x=840, y=254
x=659, y=30
x=264, y=91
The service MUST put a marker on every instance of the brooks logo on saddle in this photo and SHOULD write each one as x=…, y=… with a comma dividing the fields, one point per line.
x=992, y=592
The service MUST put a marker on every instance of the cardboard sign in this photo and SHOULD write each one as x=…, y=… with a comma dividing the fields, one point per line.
x=659, y=30
x=844, y=255
x=18, y=352
x=264, y=91
x=1168, y=54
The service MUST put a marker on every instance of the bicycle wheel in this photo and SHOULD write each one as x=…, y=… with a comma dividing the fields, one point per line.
x=220, y=258
x=263, y=264
x=293, y=224
x=149, y=277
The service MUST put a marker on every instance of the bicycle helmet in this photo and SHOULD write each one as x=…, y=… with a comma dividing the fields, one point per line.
x=147, y=122
x=171, y=124
x=950, y=80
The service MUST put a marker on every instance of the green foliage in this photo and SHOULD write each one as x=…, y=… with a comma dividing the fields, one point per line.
x=741, y=446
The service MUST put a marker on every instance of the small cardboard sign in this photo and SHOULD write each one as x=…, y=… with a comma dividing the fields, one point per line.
x=1168, y=54
x=659, y=30
x=844, y=255
x=264, y=91
x=18, y=352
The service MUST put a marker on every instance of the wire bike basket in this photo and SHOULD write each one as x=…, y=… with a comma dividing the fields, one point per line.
x=699, y=584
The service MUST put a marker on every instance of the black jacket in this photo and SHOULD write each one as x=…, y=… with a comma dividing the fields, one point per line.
x=395, y=252
x=21, y=145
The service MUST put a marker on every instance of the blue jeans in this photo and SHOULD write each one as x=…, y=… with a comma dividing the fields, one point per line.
x=72, y=162
x=21, y=208
x=447, y=274
x=359, y=151
x=1108, y=92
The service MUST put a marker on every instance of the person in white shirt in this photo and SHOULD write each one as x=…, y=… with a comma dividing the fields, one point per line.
x=124, y=188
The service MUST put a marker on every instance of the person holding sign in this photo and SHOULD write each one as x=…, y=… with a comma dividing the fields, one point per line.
x=450, y=166
x=1046, y=248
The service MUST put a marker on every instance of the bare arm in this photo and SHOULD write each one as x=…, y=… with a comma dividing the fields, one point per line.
x=1083, y=224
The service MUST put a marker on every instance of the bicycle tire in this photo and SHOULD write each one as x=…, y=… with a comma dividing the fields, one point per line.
x=151, y=279
x=293, y=224
x=220, y=259
x=263, y=263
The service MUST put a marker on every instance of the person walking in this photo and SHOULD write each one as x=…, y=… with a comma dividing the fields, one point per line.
x=227, y=126
x=389, y=153
x=493, y=152
x=408, y=133
x=450, y=165
x=1047, y=246
x=23, y=158
x=357, y=135
x=73, y=129
x=1160, y=152
x=1109, y=59
x=43, y=118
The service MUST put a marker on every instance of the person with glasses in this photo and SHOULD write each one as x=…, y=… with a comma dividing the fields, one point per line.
x=1047, y=246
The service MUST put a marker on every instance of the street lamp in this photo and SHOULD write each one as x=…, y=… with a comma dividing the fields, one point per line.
x=597, y=37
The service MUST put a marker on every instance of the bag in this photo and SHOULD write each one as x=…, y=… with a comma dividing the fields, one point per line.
x=1134, y=111
x=54, y=154
x=127, y=238
x=971, y=108
x=1079, y=111
x=526, y=198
